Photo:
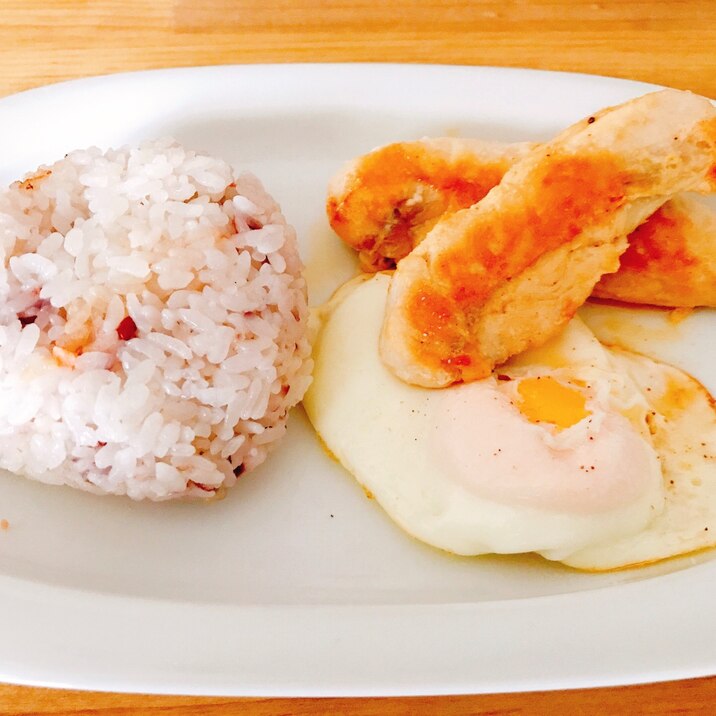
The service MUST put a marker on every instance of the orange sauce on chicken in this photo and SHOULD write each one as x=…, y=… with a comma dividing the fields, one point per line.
x=464, y=180
x=562, y=198
x=659, y=240
x=381, y=209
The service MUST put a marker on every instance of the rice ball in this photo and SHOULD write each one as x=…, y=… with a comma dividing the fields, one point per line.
x=152, y=323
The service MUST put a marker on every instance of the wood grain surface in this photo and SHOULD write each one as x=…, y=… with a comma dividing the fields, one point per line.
x=668, y=42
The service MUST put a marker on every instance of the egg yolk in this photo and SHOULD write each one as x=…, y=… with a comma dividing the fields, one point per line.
x=546, y=400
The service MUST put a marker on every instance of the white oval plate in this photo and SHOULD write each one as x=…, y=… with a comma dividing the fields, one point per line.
x=296, y=584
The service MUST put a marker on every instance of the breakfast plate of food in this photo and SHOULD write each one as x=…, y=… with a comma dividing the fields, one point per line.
x=316, y=383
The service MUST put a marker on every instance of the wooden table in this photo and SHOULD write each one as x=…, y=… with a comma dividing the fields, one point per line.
x=670, y=42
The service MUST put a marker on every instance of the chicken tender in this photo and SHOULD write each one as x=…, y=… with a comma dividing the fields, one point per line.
x=671, y=259
x=507, y=273
x=384, y=203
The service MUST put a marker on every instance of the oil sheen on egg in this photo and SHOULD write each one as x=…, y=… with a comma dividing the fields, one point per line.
x=553, y=454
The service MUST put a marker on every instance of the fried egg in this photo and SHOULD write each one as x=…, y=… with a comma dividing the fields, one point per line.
x=598, y=457
x=555, y=453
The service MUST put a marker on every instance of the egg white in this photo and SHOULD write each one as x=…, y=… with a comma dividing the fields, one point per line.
x=382, y=431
